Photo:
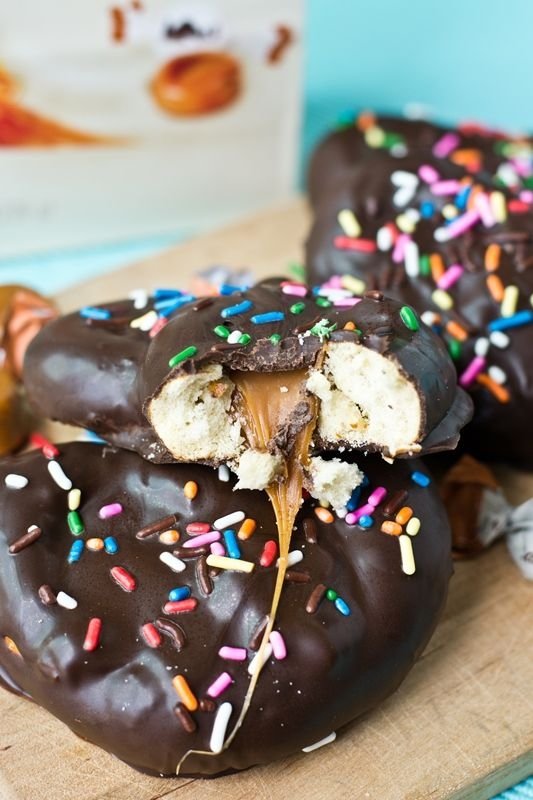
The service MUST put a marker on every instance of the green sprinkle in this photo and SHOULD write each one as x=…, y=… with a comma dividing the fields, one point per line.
x=221, y=331
x=323, y=302
x=409, y=319
x=189, y=352
x=454, y=349
x=425, y=266
x=245, y=339
x=392, y=139
x=275, y=338
x=323, y=329
x=75, y=523
x=298, y=270
x=332, y=595
x=528, y=182
x=297, y=308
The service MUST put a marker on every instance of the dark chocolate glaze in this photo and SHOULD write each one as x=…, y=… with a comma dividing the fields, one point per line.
x=345, y=173
x=121, y=696
x=102, y=376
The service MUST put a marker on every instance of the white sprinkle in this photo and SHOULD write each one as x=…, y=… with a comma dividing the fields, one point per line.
x=403, y=178
x=413, y=526
x=175, y=563
x=321, y=743
x=384, y=239
x=403, y=196
x=14, y=481
x=65, y=600
x=481, y=347
x=56, y=472
x=411, y=259
x=429, y=318
x=228, y=520
x=498, y=375
x=74, y=499
x=139, y=297
x=499, y=339
x=146, y=322
x=234, y=337
x=284, y=389
x=259, y=660
x=223, y=473
x=408, y=558
x=220, y=725
x=398, y=150
x=294, y=557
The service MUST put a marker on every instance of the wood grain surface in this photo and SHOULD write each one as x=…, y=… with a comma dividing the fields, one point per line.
x=461, y=725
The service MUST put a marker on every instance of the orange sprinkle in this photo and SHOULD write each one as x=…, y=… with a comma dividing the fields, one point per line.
x=392, y=528
x=457, y=331
x=499, y=391
x=169, y=537
x=350, y=326
x=495, y=287
x=247, y=529
x=190, y=490
x=184, y=693
x=492, y=257
x=11, y=646
x=323, y=514
x=471, y=202
x=467, y=157
x=437, y=266
x=366, y=120
x=404, y=515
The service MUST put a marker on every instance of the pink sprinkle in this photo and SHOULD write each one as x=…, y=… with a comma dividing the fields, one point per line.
x=482, y=204
x=399, y=248
x=347, y=302
x=203, y=538
x=472, y=371
x=233, y=653
x=217, y=549
x=526, y=196
x=220, y=685
x=297, y=289
x=335, y=282
x=450, y=277
x=110, y=510
x=195, y=528
x=377, y=496
x=354, y=516
x=158, y=325
x=428, y=174
x=278, y=645
x=459, y=226
x=521, y=167
x=445, y=145
x=446, y=187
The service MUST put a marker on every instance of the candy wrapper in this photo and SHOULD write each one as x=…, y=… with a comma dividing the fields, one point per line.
x=480, y=514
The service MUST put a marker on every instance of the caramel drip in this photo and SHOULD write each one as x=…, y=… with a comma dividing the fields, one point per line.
x=266, y=402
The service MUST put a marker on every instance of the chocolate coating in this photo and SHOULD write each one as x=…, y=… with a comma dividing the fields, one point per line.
x=102, y=376
x=347, y=173
x=120, y=695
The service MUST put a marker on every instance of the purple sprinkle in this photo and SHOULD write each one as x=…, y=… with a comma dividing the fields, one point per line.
x=110, y=510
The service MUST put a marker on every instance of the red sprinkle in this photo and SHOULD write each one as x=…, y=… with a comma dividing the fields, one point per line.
x=269, y=554
x=92, y=637
x=151, y=635
x=124, y=578
x=518, y=207
x=349, y=243
x=180, y=606
x=195, y=528
x=49, y=450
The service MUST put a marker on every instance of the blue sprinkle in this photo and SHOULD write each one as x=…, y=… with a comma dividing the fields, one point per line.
x=179, y=593
x=353, y=502
x=366, y=521
x=232, y=545
x=365, y=482
x=420, y=479
x=93, y=437
x=461, y=198
x=270, y=316
x=240, y=308
x=227, y=288
x=438, y=328
x=427, y=209
x=76, y=551
x=111, y=545
x=90, y=312
x=163, y=294
x=516, y=321
x=181, y=301
x=342, y=606
x=316, y=290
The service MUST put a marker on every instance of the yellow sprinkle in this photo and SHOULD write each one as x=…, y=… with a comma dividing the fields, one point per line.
x=95, y=544
x=355, y=285
x=11, y=646
x=442, y=299
x=498, y=206
x=222, y=562
x=509, y=302
x=74, y=499
x=405, y=223
x=531, y=300
x=190, y=490
x=413, y=526
x=449, y=211
x=375, y=137
x=408, y=558
x=349, y=223
x=247, y=529
x=185, y=692
x=169, y=537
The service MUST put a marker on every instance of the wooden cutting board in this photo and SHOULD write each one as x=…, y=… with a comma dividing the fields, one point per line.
x=461, y=725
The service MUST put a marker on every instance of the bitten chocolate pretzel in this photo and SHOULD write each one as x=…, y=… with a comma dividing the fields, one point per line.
x=133, y=599
x=442, y=220
x=238, y=378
